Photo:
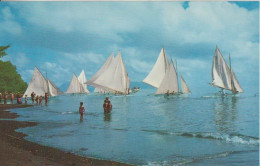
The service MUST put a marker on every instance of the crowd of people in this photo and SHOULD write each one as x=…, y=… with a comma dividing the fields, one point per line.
x=12, y=96
x=18, y=97
x=38, y=99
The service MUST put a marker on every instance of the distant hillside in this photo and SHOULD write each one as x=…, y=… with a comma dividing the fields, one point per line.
x=10, y=79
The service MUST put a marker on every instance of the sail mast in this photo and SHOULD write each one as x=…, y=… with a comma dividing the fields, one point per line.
x=232, y=84
x=177, y=75
x=47, y=84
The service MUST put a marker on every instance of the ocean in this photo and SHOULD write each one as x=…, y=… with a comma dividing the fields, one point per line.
x=144, y=129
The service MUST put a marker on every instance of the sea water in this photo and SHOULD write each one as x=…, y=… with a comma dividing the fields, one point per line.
x=144, y=129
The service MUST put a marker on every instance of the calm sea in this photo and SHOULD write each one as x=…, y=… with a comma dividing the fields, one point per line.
x=144, y=129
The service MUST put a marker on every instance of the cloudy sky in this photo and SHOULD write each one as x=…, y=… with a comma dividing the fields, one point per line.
x=65, y=37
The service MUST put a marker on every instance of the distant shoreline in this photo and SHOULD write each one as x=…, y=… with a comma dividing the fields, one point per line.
x=15, y=150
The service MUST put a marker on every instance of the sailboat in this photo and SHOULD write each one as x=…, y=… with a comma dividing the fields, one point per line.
x=223, y=75
x=39, y=85
x=164, y=76
x=82, y=79
x=103, y=68
x=77, y=84
x=112, y=76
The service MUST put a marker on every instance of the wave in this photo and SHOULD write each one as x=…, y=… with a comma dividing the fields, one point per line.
x=185, y=161
x=229, y=138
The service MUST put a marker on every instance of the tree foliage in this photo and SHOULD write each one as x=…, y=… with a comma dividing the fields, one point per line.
x=10, y=79
x=2, y=50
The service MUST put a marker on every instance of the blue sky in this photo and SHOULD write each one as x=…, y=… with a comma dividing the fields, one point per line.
x=65, y=37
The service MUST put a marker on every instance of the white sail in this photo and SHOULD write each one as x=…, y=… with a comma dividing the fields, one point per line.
x=53, y=90
x=102, y=69
x=221, y=76
x=38, y=84
x=169, y=82
x=236, y=85
x=82, y=79
x=184, y=86
x=155, y=77
x=114, y=78
x=75, y=86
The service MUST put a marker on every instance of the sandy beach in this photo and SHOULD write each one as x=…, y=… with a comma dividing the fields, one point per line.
x=15, y=150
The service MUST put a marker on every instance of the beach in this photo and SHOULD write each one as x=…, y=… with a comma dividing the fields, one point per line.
x=15, y=150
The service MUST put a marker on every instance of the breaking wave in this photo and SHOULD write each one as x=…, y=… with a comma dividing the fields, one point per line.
x=229, y=138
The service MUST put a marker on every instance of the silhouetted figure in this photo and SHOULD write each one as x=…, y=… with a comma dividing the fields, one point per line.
x=46, y=97
x=81, y=110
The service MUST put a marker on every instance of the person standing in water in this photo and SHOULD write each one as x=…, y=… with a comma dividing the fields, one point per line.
x=25, y=99
x=5, y=97
x=109, y=106
x=32, y=97
x=12, y=98
x=37, y=99
x=81, y=110
x=105, y=106
x=40, y=100
x=46, y=97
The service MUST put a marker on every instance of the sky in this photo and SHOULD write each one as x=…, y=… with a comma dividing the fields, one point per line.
x=62, y=38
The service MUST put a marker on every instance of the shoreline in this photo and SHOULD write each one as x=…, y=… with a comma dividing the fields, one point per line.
x=15, y=150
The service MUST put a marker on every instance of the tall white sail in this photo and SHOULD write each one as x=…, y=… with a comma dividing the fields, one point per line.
x=114, y=78
x=184, y=86
x=82, y=79
x=75, y=86
x=102, y=69
x=236, y=85
x=38, y=84
x=221, y=76
x=169, y=82
x=53, y=90
x=155, y=77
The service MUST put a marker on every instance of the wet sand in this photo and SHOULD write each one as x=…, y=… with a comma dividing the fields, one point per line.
x=15, y=150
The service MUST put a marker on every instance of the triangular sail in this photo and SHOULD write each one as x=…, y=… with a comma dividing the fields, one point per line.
x=75, y=86
x=114, y=78
x=38, y=84
x=155, y=77
x=82, y=79
x=184, y=86
x=169, y=82
x=236, y=85
x=53, y=90
x=221, y=76
x=102, y=69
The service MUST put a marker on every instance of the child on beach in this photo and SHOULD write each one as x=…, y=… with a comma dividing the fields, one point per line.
x=81, y=110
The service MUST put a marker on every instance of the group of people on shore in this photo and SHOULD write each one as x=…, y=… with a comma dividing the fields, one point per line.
x=18, y=97
x=38, y=99
x=107, y=106
x=12, y=96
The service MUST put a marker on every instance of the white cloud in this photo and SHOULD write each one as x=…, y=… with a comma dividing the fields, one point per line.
x=136, y=28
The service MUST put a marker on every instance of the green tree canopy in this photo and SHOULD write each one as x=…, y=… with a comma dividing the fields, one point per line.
x=10, y=79
x=2, y=50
